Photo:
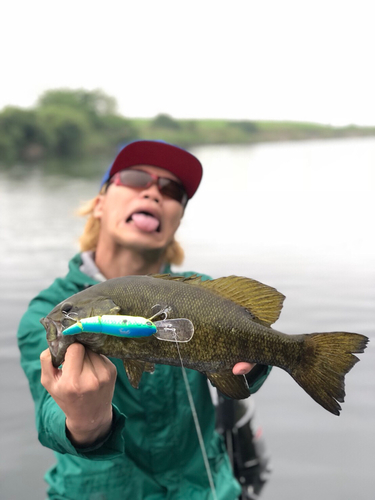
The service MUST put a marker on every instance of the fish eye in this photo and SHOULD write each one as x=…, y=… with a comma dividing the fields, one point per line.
x=66, y=308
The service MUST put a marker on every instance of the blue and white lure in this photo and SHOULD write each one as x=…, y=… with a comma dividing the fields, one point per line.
x=172, y=330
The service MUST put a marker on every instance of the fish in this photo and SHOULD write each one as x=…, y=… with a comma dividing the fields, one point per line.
x=232, y=318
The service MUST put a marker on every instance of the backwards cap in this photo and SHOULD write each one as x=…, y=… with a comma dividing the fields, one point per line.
x=186, y=167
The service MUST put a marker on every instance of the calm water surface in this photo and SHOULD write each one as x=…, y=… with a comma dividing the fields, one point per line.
x=298, y=216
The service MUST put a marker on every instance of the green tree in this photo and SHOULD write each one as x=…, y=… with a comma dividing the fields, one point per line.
x=100, y=128
x=94, y=104
x=165, y=121
x=21, y=133
x=116, y=130
x=68, y=130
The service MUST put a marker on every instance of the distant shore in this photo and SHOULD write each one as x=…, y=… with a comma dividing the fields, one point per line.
x=69, y=125
x=210, y=132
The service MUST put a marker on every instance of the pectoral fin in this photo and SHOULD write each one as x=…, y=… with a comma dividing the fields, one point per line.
x=233, y=386
x=134, y=370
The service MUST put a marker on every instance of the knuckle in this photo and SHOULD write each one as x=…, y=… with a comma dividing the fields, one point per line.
x=45, y=355
x=108, y=373
x=74, y=388
x=94, y=385
x=112, y=370
x=44, y=381
x=83, y=387
x=70, y=389
x=106, y=378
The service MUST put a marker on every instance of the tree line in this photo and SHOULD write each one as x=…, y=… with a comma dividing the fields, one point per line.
x=80, y=124
x=62, y=124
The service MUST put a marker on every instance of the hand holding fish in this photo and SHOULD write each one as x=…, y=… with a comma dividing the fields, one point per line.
x=83, y=389
x=242, y=368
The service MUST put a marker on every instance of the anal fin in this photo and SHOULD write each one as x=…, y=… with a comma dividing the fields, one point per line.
x=149, y=367
x=233, y=386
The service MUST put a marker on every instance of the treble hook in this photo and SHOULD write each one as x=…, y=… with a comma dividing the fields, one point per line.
x=67, y=316
x=162, y=314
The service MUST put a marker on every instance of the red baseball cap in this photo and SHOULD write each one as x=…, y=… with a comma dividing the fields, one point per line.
x=160, y=154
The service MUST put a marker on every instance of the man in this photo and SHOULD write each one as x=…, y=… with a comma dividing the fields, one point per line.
x=110, y=440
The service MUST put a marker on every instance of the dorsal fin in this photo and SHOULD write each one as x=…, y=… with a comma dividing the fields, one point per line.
x=262, y=301
x=194, y=278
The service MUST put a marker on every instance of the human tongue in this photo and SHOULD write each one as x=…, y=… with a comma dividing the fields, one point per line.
x=145, y=222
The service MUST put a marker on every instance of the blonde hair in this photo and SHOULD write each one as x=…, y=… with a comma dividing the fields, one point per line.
x=88, y=241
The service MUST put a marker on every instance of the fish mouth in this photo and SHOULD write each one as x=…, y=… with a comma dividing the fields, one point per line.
x=53, y=328
x=145, y=220
x=55, y=339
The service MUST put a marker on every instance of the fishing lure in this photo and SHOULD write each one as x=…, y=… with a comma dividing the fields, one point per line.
x=172, y=330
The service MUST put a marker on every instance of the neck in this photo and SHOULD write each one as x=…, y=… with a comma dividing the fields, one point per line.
x=119, y=262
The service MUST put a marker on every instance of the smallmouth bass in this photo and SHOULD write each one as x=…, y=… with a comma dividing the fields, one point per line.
x=232, y=319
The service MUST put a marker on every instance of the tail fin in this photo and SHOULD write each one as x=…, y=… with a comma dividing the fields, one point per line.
x=327, y=358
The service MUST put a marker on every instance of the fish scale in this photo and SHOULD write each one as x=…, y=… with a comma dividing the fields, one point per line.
x=232, y=320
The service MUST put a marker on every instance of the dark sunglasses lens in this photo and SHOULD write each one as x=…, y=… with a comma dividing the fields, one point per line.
x=134, y=178
x=173, y=190
x=141, y=179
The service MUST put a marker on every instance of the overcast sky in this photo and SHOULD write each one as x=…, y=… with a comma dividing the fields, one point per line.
x=265, y=59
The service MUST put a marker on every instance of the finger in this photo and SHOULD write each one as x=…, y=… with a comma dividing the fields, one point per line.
x=98, y=358
x=242, y=368
x=48, y=370
x=89, y=362
x=101, y=364
x=74, y=359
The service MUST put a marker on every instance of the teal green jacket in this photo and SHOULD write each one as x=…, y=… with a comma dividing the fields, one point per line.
x=152, y=451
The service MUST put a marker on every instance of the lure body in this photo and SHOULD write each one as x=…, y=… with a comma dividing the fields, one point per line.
x=174, y=330
x=116, y=325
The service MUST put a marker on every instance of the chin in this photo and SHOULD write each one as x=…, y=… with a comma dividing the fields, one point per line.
x=142, y=242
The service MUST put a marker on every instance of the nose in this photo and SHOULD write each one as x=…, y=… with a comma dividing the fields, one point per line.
x=153, y=193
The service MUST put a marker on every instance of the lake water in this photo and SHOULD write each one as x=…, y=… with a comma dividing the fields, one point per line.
x=297, y=216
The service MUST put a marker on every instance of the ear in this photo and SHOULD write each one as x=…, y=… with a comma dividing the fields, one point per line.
x=98, y=206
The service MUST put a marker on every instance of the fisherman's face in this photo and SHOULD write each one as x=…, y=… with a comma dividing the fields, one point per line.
x=139, y=218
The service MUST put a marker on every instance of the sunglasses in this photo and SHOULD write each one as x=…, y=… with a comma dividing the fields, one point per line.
x=140, y=179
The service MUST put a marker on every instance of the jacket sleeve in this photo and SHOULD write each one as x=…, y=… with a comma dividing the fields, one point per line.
x=257, y=377
x=50, y=419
